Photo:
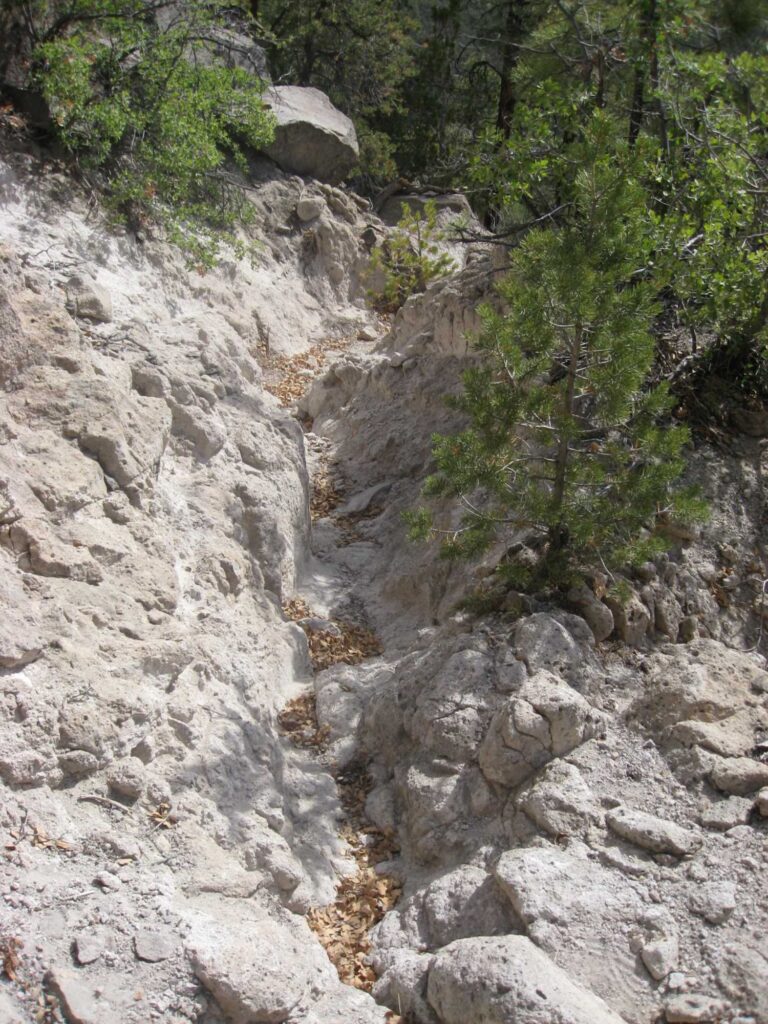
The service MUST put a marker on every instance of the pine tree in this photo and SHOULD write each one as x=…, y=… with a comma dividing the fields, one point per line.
x=566, y=441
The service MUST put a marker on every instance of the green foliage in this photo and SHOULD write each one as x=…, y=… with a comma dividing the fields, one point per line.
x=566, y=441
x=410, y=258
x=137, y=102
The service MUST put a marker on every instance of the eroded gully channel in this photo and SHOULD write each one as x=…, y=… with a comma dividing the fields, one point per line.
x=338, y=632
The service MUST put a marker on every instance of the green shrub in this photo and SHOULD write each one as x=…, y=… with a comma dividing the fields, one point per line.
x=410, y=258
x=137, y=103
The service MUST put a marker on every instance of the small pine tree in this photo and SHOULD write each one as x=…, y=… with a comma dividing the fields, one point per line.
x=410, y=258
x=565, y=440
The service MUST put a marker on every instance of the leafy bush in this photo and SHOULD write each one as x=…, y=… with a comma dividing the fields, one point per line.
x=410, y=258
x=137, y=102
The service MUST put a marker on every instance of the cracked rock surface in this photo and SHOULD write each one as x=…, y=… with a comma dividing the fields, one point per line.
x=578, y=792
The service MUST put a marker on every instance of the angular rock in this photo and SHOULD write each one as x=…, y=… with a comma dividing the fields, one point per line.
x=89, y=946
x=153, y=946
x=463, y=903
x=79, y=1000
x=312, y=137
x=727, y=813
x=559, y=801
x=714, y=901
x=693, y=1008
x=739, y=775
x=88, y=300
x=508, y=979
x=661, y=947
x=309, y=207
x=651, y=833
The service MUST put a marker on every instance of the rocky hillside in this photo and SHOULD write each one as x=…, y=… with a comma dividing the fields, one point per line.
x=574, y=799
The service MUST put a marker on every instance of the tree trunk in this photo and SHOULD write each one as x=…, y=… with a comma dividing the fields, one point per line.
x=513, y=36
x=558, y=531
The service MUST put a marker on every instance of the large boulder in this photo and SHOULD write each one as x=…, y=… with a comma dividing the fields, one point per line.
x=312, y=137
x=507, y=979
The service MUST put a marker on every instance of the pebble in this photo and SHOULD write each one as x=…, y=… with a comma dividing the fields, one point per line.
x=108, y=881
x=154, y=946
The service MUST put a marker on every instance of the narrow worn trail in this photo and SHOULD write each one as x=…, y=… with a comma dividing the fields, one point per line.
x=366, y=894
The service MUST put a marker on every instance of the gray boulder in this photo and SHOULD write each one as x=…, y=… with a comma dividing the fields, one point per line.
x=504, y=979
x=312, y=137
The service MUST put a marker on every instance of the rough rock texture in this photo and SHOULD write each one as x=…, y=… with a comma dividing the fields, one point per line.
x=153, y=516
x=577, y=768
x=492, y=981
x=312, y=137
x=581, y=815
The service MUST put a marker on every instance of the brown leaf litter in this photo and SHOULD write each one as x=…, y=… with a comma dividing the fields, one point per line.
x=344, y=643
x=363, y=898
x=288, y=377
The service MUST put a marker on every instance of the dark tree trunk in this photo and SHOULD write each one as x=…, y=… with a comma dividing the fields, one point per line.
x=514, y=28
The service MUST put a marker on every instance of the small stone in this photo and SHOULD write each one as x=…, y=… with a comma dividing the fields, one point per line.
x=660, y=957
x=309, y=207
x=739, y=775
x=727, y=814
x=126, y=778
x=78, y=762
x=714, y=901
x=154, y=946
x=761, y=802
x=88, y=300
x=108, y=881
x=81, y=1004
x=652, y=833
x=692, y=1008
x=88, y=948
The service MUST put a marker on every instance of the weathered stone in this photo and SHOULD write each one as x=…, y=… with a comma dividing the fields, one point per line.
x=79, y=999
x=714, y=901
x=631, y=618
x=544, y=642
x=88, y=300
x=126, y=778
x=257, y=977
x=651, y=833
x=78, y=762
x=89, y=947
x=761, y=802
x=312, y=137
x=693, y=1008
x=597, y=615
x=498, y=980
x=309, y=207
x=559, y=801
x=544, y=719
x=660, y=948
x=727, y=813
x=153, y=946
x=739, y=775
x=463, y=903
